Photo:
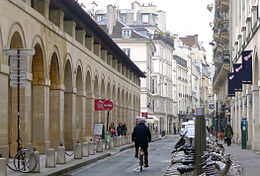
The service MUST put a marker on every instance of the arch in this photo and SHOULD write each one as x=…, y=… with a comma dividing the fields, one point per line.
x=55, y=53
x=96, y=95
x=68, y=99
x=16, y=40
x=79, y=105
x=55, y=101
x=38, y=96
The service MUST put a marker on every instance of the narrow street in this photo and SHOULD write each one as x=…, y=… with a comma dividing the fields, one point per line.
x=124, y=163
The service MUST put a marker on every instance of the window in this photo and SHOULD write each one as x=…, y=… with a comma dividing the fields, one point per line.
x=145, y=18
x=126, y=33
x=100, y=18
x=122, y=18
x=127, y=51
x=154, y=85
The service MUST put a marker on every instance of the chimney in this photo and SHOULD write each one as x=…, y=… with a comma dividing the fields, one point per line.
x=94, y=8
x=135, y=6
x=111, y=18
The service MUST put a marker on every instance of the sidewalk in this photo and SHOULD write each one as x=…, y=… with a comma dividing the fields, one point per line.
x=248, y=158
x=72, y=163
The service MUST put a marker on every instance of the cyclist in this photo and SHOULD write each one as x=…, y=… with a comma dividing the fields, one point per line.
x=141, y=136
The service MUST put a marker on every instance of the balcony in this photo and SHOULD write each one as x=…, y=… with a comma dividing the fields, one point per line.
x=220, y=75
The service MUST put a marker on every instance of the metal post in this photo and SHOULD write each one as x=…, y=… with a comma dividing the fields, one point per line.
x=217, y=119
x=107, y=119
x=18, y=100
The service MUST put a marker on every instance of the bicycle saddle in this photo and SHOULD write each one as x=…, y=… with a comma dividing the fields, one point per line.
x=187, y=162
x=185, y=169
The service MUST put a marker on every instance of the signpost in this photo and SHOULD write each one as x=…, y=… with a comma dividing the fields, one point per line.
x=108, y=106
x=18, y=65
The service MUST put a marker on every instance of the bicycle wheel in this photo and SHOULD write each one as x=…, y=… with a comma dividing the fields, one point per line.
x=25, y=161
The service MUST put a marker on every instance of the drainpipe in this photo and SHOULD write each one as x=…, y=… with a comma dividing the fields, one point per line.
x=230, y=35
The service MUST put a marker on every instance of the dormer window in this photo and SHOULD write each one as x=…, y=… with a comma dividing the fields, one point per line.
x=145, y=18
x=122, y=18
x=126, y=33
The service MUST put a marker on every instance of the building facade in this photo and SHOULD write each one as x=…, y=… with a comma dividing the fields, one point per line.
x=237, y=24
x=75, y=62
x=129, y=28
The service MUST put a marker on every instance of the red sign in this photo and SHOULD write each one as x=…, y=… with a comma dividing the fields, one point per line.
x=108, y=105
x=99, y=104
x=145, y=114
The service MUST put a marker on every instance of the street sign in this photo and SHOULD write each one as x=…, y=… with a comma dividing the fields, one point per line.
x=108, y=105
x=22, y=52
x=99, y=104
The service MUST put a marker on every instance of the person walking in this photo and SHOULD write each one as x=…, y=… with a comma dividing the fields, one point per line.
x=124, y=129
x=228, y=133
x=112, y=129
x=119, y=129
x=141, y=136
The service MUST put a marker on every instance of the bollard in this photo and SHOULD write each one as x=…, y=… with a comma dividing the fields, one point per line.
x=78, y=152
x=111, y=145
x=91, y=148
x=85, y=149
x=3, y=169
x=50, y=158
x=100, y=146
x=116, y=140
x=61, y=159
x=120, y=140
x=200, y=138
x=32, y=163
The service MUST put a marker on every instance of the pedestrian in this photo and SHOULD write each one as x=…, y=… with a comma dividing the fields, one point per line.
x=228, y=133
x=141, y=136
x=124, y=129
x=119, y=129
x=112, y=129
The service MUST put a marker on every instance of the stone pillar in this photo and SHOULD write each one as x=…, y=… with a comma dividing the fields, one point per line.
x=70, y=28
x=85, y=149
x=42, y=6
x=57, y=16
x=40, y=115
x=56, y=117
x=3, y=168
x=32, y=163
x=78, y=121
x=61, y=158
x=89, y=114
x=254, y=16
x=249, y=118
x=91, y=148
x=78, y=152
x=97, y=50
x=233, y=118
x=236, y=131
x=80, y=36
x=248, y=25
x=100, y=146
x=69, y=114
x=89, y=42
x=239, y=117
x=4, y=148
x=255, y=114
x=104, y=55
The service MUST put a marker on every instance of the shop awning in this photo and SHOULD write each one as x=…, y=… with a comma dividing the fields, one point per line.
x=152, y=119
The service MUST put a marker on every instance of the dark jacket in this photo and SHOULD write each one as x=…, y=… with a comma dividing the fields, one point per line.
x=119, y=130
x=228, y=132
x=141, y=135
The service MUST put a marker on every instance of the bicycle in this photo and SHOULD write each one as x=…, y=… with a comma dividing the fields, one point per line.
x=141, y=159
x=24, y=160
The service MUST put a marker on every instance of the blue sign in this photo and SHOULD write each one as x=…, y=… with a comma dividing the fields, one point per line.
x=238, y=73
x=247, y=66
x=231, y=90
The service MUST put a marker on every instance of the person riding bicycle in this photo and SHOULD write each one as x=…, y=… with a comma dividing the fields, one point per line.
x=141, y=136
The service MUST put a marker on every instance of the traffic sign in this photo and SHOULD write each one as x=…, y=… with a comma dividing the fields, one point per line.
x=22, y=52
x=108, y=105
x=211, y=106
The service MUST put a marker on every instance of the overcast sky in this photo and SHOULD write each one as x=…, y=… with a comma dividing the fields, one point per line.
x=184, y=17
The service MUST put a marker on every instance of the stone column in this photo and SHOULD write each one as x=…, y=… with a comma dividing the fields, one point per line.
x=255, y=114
x=89, y=114
x=249, y=118
x=4, y=148
x=79, y=117
x=69, y=114
x=40, y=115
x=236, y=129
x=56, y=116
x=240, y=117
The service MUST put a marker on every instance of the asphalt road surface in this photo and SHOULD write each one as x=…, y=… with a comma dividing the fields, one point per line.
x=125, y=164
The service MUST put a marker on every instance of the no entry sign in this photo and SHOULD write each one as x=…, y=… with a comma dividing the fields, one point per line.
x=108, y=105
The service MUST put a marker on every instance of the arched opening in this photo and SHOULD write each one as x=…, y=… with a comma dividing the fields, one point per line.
x=123, y=106
x=16, y=42
x=68, y=114
x=114, y=112
x=96, y=94
x=39, y=92
x=126, y=113
x=55, y=103
x=108, y=96
x=79, y=106
x=89, y=105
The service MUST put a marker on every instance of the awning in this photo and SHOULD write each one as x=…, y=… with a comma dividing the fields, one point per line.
x=152, y=119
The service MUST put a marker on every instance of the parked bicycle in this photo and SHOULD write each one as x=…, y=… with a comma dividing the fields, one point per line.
x=24, y=160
